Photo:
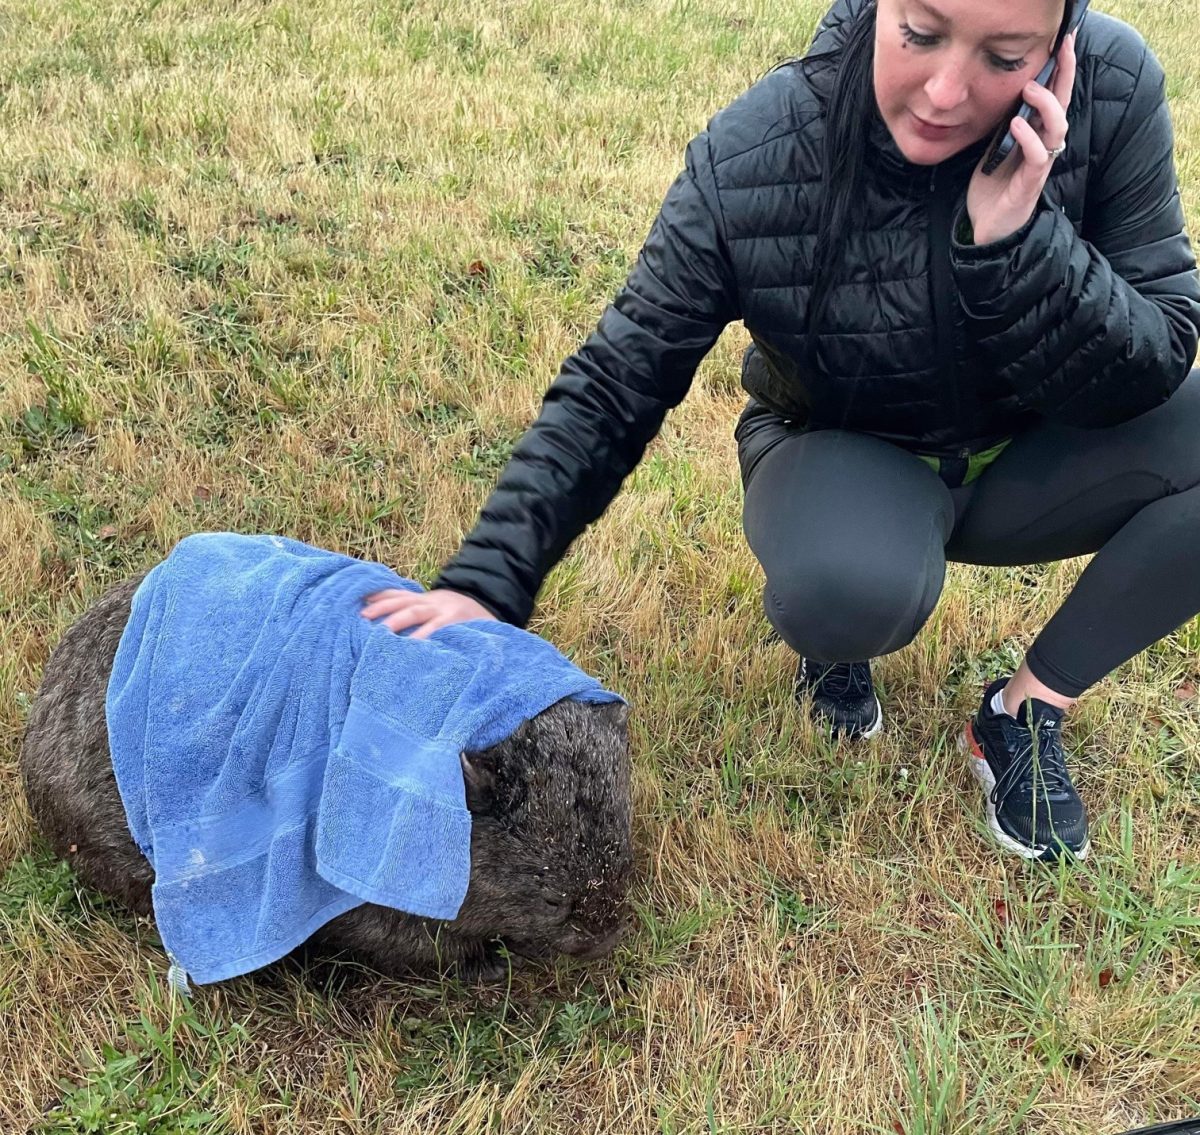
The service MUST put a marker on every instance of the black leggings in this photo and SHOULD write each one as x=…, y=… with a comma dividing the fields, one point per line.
x=854, y=534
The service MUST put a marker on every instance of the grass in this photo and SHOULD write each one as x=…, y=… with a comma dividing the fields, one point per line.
x=308, y=268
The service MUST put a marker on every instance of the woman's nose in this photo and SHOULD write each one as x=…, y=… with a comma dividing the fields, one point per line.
x=947, y=88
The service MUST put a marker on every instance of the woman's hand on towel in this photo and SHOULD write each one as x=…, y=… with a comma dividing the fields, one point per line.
x=425, y=611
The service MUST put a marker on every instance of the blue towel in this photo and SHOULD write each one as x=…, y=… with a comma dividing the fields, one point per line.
x=282, y=760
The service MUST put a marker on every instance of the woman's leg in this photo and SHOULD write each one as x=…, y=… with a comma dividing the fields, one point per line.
x=850, y=533
x=1131, y=494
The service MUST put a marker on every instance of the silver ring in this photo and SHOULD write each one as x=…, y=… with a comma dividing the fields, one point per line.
x=1057, y=150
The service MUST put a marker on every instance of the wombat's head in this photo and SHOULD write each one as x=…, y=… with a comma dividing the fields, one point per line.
x=551, y=853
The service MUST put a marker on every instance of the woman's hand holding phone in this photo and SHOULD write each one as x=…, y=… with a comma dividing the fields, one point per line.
x=1000, y=203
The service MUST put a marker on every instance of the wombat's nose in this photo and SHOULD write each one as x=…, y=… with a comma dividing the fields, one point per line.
x=589, y=947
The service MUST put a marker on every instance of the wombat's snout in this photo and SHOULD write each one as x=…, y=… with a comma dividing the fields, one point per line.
x=589, y=947
x=597, y=941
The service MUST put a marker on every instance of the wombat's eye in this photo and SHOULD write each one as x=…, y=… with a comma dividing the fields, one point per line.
x=556, y=904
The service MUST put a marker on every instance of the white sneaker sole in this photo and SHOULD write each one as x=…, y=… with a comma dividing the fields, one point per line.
x=866, y=734
x=982, y=772
x=876, y=725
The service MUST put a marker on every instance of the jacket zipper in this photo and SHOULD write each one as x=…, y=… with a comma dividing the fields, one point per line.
x=942, y=288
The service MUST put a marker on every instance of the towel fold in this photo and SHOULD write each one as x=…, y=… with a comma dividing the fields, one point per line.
x=282, y=760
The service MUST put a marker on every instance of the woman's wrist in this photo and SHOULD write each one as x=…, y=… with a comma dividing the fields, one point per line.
x=993, y=233
x=984, y=236
x=964, y=234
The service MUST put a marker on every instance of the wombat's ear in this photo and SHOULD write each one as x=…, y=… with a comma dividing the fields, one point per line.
x=619, y=712
x=479, y=775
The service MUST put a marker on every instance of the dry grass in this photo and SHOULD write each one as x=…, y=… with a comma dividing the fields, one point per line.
x=307, y=269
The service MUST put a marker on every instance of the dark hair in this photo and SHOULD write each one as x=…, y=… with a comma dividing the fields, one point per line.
x=848, y=111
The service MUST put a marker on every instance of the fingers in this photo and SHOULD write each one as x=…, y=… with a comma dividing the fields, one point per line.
x=1041, y=145
x=423, y=618
x=1035, y=158
x=398, y=610
x=426, y=629
x=426, y=611
x=1051, y=102
x=1054, y=118
x=1063, y=82
x=386, y=602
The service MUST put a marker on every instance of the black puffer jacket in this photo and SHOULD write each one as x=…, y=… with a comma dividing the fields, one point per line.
x=1089, y=315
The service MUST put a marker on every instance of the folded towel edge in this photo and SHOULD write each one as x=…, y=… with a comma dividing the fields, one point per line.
x=205, y=973
x=443, y=912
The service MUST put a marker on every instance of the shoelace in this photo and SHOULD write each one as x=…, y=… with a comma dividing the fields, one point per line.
x=841, y=679
x=1052, y=769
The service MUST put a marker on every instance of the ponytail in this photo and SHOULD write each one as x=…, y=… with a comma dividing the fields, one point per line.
x=848, y=114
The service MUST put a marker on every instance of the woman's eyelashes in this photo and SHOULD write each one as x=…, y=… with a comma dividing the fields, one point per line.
x=1003, y=64
x=918, y=39
x=927, y=39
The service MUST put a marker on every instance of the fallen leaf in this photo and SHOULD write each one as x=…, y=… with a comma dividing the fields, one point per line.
x=1001, y=908
x=898, y=1127
x=477, y=268
x=1186, y=692
x=107, y=532
x=1104, y=978
x=202, y=493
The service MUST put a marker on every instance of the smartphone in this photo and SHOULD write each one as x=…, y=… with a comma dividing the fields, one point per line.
x=1004, y=144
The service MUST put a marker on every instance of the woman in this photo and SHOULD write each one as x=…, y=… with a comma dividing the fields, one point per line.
x=945, y=365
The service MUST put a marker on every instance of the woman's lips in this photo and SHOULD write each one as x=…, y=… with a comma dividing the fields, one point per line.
x=928, y=130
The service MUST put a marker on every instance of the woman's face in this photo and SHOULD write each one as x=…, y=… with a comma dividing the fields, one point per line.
x=948, y=71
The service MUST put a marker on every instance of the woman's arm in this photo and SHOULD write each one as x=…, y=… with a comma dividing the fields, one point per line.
x=608, y=401
x=1095, y=328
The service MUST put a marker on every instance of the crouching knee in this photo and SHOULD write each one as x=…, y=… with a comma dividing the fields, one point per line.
x=848, y=614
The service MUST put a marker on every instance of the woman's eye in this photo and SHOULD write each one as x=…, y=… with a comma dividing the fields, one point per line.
x=927, y=39
x=1007, y=64
x=916, y=38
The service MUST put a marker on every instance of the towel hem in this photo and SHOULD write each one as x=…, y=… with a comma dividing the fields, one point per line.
x=247, y=963
x=368, y=893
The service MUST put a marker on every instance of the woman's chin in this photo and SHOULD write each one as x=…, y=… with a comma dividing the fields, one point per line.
x=921, y=150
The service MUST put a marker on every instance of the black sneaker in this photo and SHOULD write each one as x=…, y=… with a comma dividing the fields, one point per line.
x=842, y=695
x=1032, y=806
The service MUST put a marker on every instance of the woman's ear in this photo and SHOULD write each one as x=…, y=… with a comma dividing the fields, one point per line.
x=479, y=776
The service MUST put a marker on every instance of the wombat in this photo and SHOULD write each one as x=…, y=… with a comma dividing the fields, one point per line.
x=551, y=850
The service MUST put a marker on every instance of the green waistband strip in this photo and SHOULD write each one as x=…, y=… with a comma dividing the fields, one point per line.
x=976, y=463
